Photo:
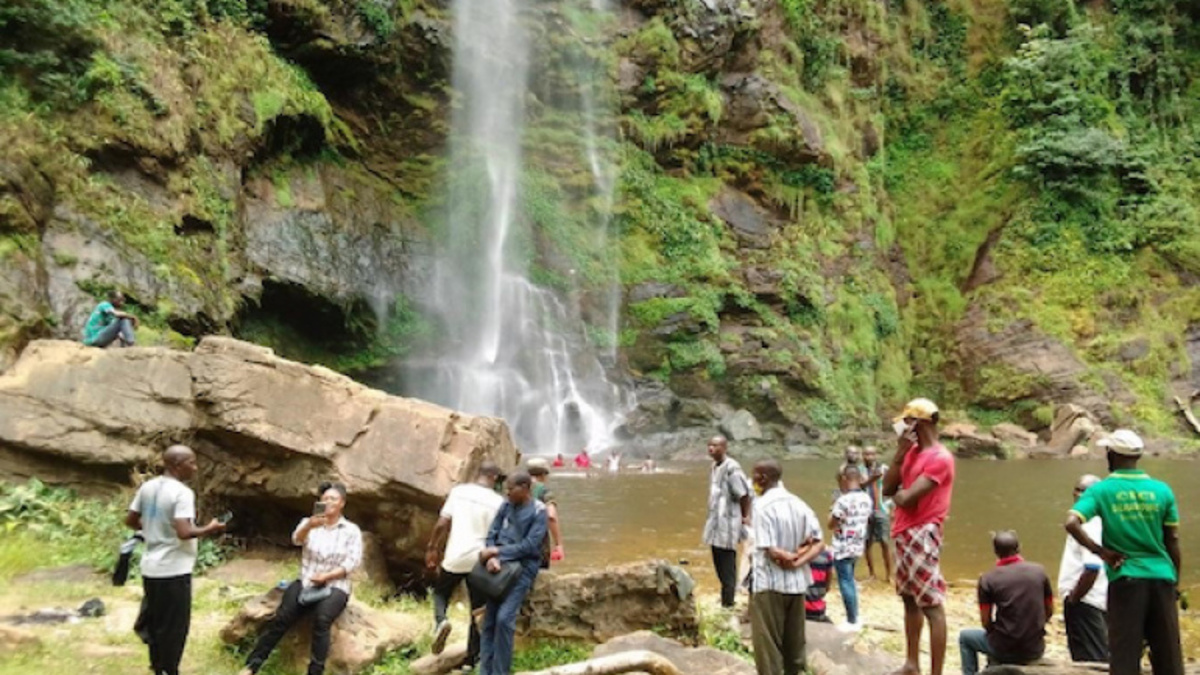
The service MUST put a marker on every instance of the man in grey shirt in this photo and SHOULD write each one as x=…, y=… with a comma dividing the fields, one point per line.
x=728, y=515
x=164, y=509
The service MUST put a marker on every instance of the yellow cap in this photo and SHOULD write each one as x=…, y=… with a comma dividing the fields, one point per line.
x=919, y=409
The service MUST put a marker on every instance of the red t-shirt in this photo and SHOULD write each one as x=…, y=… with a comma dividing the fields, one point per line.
x=583, y=461
x=937, y=464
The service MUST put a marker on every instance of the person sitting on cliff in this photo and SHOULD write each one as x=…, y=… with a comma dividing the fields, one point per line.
x=1015, y=603
x=540, y=472
x=333, y=548
x=108, y=324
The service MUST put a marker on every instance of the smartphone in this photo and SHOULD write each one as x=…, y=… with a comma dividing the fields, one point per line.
x=319, y=509
x=224, y=518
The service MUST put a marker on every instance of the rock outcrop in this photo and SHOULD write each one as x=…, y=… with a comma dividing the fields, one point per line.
x=597, y=606
x=266, y=429
x=1072, y=426
x=360, y=637
x=687, y=659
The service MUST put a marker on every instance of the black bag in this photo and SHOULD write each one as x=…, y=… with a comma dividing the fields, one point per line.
x=493, y=586
x=313, y=594
x=121, y=572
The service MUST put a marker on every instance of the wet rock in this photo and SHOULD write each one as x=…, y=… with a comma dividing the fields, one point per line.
x=360, y=637
x=754, y=103
x=742, y=426
x=654, y=289
x=1080, y=452
x=600, y=605
x=704, y=660
x=1014, y=435
x=752, y=225
x=980, y=444
x=1072, y=425
x=267, y=430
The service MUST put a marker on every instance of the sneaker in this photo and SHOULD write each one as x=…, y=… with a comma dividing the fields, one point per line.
x=849, y=627
x=440, y=633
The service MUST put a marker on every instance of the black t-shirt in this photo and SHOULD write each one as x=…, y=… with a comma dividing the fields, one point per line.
x=1018, y=592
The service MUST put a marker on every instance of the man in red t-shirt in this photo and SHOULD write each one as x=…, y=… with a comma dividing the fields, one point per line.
x=919, y=481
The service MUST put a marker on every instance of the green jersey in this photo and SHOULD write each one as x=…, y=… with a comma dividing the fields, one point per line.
x=1134, y=508
x=101, y=317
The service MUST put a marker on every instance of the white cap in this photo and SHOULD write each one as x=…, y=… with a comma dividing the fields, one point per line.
x=1123, y=442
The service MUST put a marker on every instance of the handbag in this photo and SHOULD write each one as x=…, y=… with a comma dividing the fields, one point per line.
x=313, y=594
x=493, y=586
x=124, y=559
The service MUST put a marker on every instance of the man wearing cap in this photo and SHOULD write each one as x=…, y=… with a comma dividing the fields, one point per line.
x=920, y=481
x=728, y=515
x=539, y=470
x=1140, y=550
x=462, y=529
x=1084, y=589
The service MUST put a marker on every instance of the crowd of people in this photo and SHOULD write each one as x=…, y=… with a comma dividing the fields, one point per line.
x=1118, y=576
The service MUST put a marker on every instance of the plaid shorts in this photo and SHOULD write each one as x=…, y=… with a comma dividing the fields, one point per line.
x=918, y=573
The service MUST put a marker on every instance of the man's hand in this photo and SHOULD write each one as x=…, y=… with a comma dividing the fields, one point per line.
x=746, y=520
x=493, y=565
x=214, y=526
x=1113, y=559
x=557, y=554
x=431, y=560
x=488, y=554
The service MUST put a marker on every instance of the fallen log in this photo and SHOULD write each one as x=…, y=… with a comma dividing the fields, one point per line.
x=637, y=661
x=1190, y=416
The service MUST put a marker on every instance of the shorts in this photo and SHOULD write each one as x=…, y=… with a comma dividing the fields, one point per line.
x=918, y=568
x=878, y=528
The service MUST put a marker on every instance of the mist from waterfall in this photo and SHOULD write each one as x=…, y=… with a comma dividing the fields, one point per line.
x=507, y=346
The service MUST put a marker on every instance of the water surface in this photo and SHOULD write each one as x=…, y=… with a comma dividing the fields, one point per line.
x=632, y=516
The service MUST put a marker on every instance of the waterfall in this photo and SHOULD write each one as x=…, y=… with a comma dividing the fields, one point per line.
x=507, y=346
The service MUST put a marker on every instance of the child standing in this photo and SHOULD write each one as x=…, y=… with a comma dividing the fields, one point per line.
x=848, y=521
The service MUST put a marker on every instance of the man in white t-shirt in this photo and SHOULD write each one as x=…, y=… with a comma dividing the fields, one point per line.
x=1083, y=586
x=462, y=528
x=164, y=509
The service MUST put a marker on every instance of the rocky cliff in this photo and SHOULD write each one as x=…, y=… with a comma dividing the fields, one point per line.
x=822, y=205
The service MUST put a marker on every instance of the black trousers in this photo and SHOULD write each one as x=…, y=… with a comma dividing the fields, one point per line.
x=1087, y=632
x=725, y=562
x=290, y=611
x=164, y=620
x=1143, y=611
x=443, y=589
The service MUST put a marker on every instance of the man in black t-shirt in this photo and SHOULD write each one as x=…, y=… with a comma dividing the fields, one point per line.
x=1015, y=602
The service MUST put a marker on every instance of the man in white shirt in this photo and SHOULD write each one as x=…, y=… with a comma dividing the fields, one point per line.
x=787, y=535
x=462, y=529
x=164, y=509
x=1083, y=586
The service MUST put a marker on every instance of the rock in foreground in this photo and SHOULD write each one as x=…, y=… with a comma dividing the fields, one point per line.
x=600, y=605
x=698, y=660
x=267, y=430
x=360, y=637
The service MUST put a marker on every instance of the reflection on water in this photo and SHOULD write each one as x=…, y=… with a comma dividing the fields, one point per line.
x=616, y=519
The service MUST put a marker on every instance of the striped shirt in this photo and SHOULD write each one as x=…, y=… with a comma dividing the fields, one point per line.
x=781, y=520
x=726, y=486
x=328, y=548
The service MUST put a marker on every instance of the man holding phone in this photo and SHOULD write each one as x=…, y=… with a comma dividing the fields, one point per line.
x=920, y=481
x=164, y=509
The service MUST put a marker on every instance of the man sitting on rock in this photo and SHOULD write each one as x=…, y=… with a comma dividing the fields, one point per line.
x=461, y=530
x=108, y=324
x=1015, y=602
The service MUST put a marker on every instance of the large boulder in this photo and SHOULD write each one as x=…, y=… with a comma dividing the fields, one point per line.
x=597, y=606
x=687, y=659
x=1014, y=435
x=1072, y=426
x=360, y=637
x=266, y=430
x=742, y=426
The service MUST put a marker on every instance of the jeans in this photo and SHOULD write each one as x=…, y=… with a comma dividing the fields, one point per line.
x=164, y=620
x=725, y=562
x=1143, y=611
x=290, y=611
x=443, y=589
x=1087, y=632
x=971, y=643
x=122, y=328
x=849, y=590
x=500, y=623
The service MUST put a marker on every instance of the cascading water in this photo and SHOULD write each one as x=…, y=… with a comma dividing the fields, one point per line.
x=509, y=347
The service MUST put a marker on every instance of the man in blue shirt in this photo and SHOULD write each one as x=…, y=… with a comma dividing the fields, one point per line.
x=108, y=323
x=515, y=536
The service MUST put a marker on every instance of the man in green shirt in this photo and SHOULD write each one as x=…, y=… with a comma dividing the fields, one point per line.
x=1140, y=549
x=108, y=324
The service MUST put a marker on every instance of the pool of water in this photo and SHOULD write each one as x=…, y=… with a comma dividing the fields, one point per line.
x=612, y=519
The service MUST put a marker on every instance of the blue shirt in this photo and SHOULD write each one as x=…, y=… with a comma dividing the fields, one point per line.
x=518, y=531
